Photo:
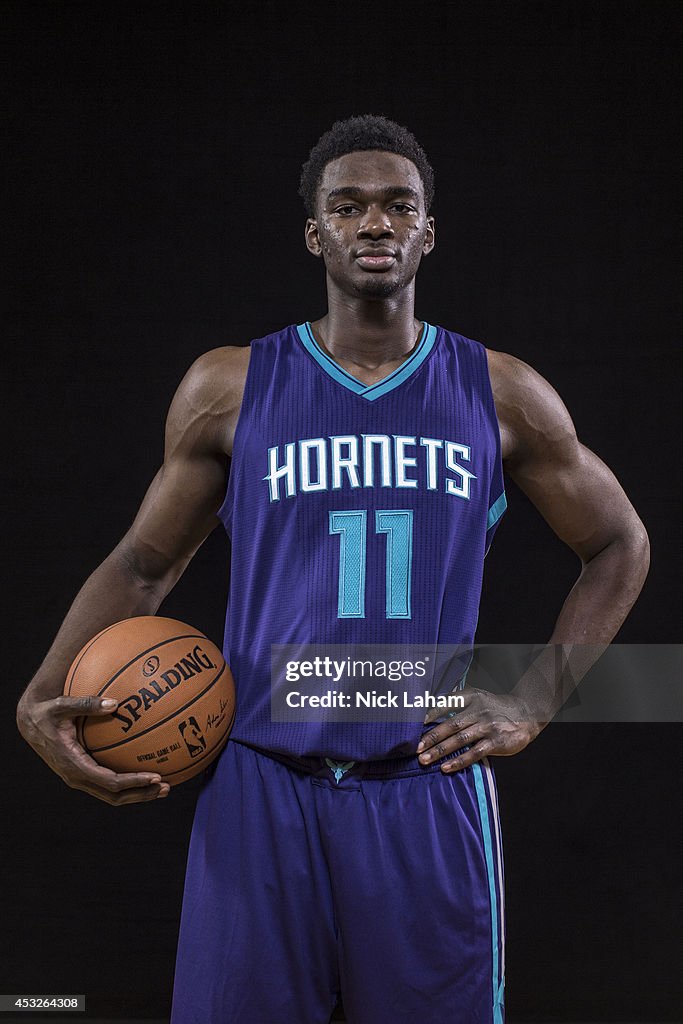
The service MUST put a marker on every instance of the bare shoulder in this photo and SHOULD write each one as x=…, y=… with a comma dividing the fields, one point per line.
x=207, y=402
x=531, y=414
x=217, y=377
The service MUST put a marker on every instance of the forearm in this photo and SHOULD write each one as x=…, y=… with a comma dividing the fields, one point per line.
x=591, y=616
x=608, y=587
x=112, y=592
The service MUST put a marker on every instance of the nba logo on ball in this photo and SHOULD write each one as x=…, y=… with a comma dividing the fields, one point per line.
x=192, y=735
x=175, y=697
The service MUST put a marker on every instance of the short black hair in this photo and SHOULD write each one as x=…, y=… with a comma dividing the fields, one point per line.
x=367, y=131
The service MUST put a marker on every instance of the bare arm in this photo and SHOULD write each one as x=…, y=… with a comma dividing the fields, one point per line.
x=176, y=515
x=581, y=499
x=578, y=496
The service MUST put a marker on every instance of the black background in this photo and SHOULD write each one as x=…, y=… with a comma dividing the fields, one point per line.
x=154, y=152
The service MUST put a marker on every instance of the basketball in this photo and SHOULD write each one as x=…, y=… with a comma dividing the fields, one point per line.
x=175, y=697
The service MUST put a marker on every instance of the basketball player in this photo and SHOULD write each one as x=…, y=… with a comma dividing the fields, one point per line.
x=365, y=487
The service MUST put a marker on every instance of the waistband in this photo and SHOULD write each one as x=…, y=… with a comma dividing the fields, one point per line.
x=390, y=768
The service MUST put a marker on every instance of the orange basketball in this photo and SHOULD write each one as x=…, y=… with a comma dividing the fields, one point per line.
x=175, y=697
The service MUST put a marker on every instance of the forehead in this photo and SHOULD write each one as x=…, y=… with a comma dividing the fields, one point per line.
x=372, y=170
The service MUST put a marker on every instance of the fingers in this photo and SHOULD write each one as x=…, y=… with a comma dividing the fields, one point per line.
x=451, y=727
x=466, y=728
x=54, y=738
x=115, y=788
x=74, y=707
x=141, y=794
x=480, y=750
x=467, y=694
x=489, y=725
x=441, y=742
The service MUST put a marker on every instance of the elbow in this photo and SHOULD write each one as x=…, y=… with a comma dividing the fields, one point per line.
x=146, y=569
x=627, y=552
x=635, y=546
x=641, y=543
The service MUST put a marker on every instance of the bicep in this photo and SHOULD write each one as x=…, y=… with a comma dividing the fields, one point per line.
x=176, y=516
x=577, y=495
x=180, y=507
x=573, y=489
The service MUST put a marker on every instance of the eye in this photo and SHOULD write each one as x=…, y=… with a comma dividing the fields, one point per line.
x=345, y=209
x=403, y=207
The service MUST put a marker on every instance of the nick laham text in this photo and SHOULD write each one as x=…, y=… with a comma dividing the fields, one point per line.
x=374, y=699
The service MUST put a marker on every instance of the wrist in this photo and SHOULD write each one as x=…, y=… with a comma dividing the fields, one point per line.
x=535, y=720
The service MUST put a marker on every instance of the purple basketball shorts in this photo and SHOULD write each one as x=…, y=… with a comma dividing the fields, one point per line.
x=306, y=881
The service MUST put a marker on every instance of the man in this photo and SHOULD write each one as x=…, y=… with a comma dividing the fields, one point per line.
x=365, y=487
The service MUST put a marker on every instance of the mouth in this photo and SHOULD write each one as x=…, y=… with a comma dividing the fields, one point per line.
x=376, y=262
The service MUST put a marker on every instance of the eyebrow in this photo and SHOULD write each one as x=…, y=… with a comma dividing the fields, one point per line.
x=389, y=192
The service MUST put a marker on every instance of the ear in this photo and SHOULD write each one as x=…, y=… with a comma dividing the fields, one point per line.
x=312, y=237
x=430, y=236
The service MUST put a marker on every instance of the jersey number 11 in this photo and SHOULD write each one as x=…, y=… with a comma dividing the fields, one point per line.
x=352, y=527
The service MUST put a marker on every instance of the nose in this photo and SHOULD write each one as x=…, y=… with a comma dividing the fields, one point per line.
x=375, y=223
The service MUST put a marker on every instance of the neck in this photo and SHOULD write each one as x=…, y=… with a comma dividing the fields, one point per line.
x=369, y=332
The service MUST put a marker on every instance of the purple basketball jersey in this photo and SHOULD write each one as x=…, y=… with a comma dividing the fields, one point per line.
x=358, y=514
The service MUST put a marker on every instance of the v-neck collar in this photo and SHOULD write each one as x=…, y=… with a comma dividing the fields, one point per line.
x=380, y=387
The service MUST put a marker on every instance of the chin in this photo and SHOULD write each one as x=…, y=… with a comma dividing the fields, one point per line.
x=378, y=287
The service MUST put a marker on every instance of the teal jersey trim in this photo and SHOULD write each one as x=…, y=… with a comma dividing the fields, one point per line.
x=496, y=511
x=488, y=852
x=382, y=387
